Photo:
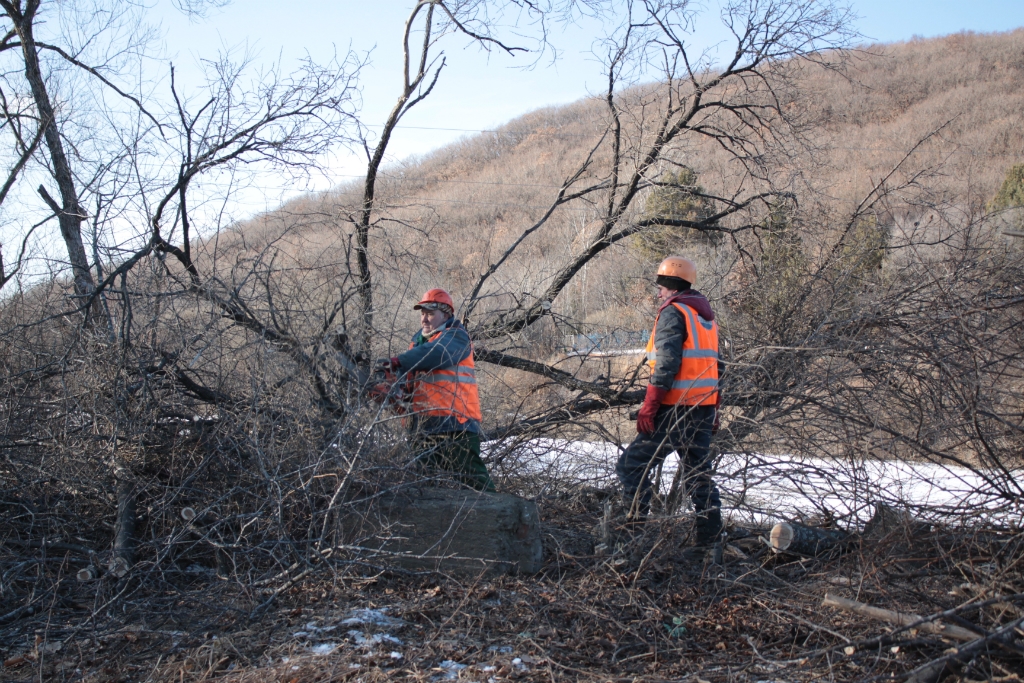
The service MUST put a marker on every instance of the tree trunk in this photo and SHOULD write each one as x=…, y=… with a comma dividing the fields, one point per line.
x=124, y=534
x=69, y=212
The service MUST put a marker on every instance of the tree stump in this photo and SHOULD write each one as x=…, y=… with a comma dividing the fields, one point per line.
x=889, y=520
x=450, y=530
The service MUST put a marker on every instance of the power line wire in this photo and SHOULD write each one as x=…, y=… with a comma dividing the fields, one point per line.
x=487, y=130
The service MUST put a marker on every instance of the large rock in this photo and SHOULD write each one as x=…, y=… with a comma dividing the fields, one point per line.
x=449, y=530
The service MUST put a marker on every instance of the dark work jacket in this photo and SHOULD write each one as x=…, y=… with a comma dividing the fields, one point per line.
x=670, y=335
x=449, y=349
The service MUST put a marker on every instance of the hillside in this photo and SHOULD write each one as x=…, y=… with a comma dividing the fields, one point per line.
x=447, y=216
x=195, y=475
x=939, y=121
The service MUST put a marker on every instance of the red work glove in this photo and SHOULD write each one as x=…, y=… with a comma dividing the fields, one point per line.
x=652, y=402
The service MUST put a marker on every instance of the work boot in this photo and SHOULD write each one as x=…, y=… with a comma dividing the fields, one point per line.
x=708, y=526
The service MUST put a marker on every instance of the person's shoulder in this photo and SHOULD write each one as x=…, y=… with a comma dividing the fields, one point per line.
x=675, y=310
x=451, y=330
x=456, y=327
x=671, y=321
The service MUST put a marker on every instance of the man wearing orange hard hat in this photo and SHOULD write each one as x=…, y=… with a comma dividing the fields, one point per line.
x=438, y=376
x=680, y=409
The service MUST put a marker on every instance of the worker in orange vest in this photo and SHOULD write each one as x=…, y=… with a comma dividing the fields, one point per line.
x=437, y=377
x=680, y=409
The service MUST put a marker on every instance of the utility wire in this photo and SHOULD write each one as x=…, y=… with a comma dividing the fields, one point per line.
x=488, y=130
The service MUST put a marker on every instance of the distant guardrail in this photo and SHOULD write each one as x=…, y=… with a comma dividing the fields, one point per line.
x=610, y=343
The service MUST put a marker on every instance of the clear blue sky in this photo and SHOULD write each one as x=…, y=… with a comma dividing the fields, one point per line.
x=477, y=92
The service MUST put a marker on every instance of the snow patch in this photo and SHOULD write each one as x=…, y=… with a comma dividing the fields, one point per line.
x=452, y=669
x=373, y=639
x=759, y=488
x=371, y=617
x=324, y=648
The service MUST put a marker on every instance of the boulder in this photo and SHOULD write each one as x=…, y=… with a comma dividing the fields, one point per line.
x=450, y=530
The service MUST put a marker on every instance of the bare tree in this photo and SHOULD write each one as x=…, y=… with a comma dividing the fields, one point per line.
x=69, y=212
x=144, y=163
x=741, y=106
x=435, y=21
x=223, y=404
x=90, y=51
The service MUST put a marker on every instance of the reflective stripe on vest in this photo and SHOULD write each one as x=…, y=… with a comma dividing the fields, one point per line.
x=696, y=381
x=435, y=376
x=652, y=356
x=449, y=391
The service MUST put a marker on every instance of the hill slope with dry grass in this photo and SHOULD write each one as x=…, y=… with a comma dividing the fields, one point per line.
x=175, y=481
x=952, y=106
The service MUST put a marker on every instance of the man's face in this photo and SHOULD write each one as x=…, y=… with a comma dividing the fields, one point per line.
x=431, y=320
x=664, y=293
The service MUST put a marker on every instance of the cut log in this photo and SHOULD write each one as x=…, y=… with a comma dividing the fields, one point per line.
x=899, y=618
x=124, y=534
x=450, y=530
x=804, y=540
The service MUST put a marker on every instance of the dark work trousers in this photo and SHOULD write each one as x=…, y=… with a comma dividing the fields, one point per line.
x=686, y=430
x=455, y=452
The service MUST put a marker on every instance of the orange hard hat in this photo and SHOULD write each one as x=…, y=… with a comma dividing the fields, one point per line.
x=434, y=298
x=679, y=267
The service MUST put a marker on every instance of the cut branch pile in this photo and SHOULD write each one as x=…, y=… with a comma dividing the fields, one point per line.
x=655, y=616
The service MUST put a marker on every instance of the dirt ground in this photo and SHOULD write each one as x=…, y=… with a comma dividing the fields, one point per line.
x=650, y=614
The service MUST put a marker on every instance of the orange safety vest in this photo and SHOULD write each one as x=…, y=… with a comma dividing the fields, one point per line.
x=696, y=382
x=447, y=391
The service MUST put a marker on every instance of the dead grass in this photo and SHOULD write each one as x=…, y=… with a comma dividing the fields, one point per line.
x=758, y=616
x=469, y=200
